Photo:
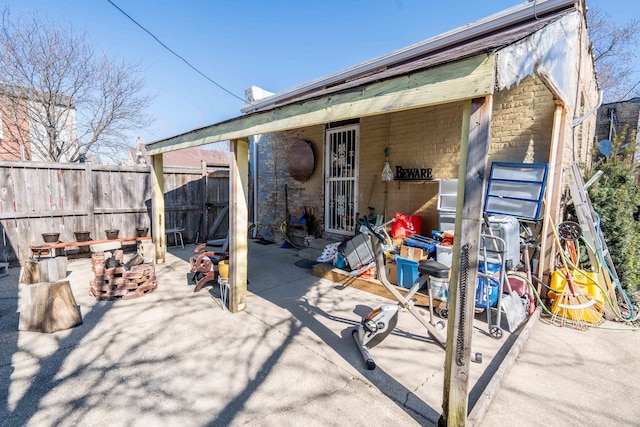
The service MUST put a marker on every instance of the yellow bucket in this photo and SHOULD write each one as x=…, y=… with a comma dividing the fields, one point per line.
x=586, y=284
x=223, y=269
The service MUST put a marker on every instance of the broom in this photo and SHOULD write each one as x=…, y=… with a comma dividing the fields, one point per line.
x=572, y=302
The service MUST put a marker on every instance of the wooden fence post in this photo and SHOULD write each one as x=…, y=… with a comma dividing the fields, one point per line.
x=89, y=201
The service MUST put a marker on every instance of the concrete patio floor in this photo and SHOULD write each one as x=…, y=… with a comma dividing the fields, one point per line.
x=175, y=357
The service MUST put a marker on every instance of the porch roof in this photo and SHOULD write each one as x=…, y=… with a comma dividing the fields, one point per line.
x=451, y=67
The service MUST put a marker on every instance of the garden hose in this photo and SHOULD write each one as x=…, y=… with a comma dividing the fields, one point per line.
x=283, y=228
x=532, y=287
x=574, y=234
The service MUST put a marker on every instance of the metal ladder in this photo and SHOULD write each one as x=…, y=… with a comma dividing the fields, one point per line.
x=587, y=220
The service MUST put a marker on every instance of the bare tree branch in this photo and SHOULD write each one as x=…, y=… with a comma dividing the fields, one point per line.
x=614, y=50
x=75, y=101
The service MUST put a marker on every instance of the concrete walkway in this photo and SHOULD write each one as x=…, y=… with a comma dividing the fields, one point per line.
x=565, y=377
x=175, y=357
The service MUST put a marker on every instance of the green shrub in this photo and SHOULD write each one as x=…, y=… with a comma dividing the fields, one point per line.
x=615, y=196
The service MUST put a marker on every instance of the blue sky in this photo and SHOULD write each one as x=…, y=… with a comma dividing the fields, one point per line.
x=272, y=44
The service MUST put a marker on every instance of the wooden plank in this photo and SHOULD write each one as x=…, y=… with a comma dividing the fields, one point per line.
x=238, y=236
x=90, y=242
x=474, y=154
x=552, y=194
x=461, y=80
x=373, y=286
x=216, y=223
x=41, y=214
x=119, y=210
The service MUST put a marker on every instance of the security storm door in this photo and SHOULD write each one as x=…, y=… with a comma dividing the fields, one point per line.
x=341, y=179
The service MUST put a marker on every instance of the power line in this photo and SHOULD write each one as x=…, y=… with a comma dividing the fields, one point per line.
x=174, y=53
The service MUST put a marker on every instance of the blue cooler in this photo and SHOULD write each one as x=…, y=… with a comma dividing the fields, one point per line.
x=493, y=283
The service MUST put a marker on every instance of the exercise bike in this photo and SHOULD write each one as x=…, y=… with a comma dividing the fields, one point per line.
x=380, y=322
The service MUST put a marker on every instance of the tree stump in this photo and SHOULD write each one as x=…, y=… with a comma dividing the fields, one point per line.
x=44, y=270
x=52, y=308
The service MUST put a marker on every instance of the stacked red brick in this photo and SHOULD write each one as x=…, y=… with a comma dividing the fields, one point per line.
x=118, y=282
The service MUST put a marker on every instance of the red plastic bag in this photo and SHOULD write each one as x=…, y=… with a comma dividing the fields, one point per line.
x=405, y=225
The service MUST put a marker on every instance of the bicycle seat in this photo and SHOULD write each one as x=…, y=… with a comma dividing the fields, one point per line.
x=433, y=268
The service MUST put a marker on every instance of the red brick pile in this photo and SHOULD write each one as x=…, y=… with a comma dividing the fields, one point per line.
x=116, y=282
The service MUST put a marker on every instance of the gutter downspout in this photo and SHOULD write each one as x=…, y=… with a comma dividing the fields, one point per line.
x=579, y=120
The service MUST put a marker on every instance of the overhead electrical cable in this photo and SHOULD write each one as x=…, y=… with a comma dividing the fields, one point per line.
x=174, y=53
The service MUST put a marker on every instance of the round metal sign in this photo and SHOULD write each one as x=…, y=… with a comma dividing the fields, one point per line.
x=300, y=161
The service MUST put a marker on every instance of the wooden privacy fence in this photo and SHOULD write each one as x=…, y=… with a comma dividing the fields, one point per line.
x=37, y=198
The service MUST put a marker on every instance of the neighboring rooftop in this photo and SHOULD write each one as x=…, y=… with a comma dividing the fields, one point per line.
x=190, y=157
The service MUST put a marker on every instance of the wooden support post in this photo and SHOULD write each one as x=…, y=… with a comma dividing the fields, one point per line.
x=51, y=308
x=157, y=207
x=238, y=250
x=474, y=152
x=552, y=195
x=204, y=221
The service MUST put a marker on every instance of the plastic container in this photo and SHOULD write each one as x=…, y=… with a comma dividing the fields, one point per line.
x=518, y=284
x=444, y=255
x=586, y=284
x=446, y=220
x=447, y=194
x=407, y=271
x=439, y=288
x=483, y=282
x=508, y=229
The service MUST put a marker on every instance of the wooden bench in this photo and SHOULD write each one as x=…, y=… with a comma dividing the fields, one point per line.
x=46, y=248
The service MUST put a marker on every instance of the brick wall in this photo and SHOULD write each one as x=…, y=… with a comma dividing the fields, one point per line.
x=11, y=134
x=419, y=138
x=627, y=113
x=272, y=150
x=521, y=131
x=522, y=123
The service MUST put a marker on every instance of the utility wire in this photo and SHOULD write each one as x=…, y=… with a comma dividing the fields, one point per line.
x=174, y=53
x=630, y=90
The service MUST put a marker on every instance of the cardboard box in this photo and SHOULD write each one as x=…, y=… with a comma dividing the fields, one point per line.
x=415, y=254
x=392, y=273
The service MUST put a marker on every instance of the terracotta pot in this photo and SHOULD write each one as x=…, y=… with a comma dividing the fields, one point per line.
x=82, y=236
x=51, y=237
x=112, y=234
